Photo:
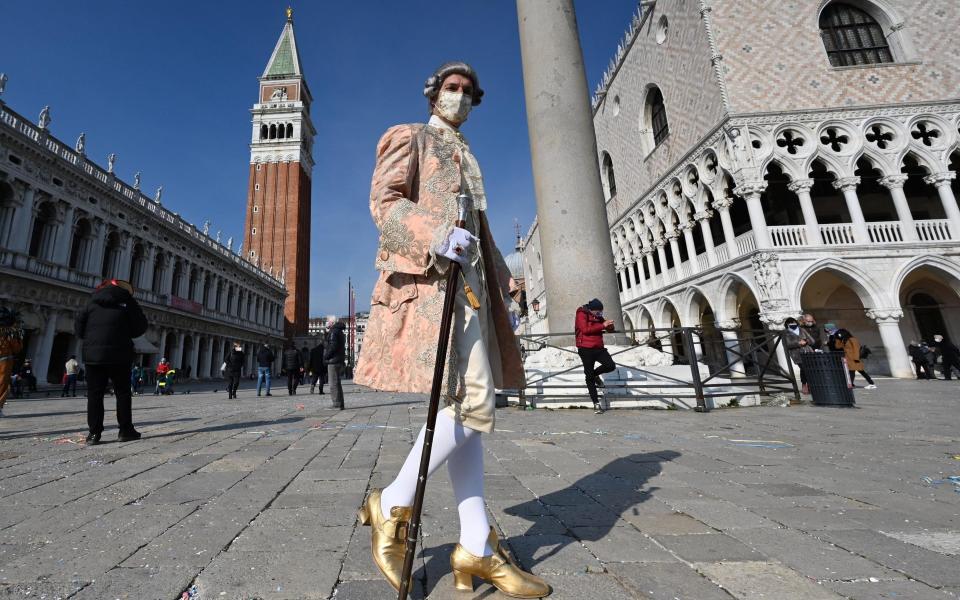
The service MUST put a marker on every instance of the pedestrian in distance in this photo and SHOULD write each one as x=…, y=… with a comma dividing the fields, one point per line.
x=919, y=354
x=844, y=341
x=798, y=340
x=71, y=368
x=420, y=171
x=293, y=365
x=949, y=355
x=317, y=368
x=11, y=343
x=160, y=374
x=334, y=356
x=305, y=363
x=234, y=369
x=107, y=326
x=265, y=358
x=27, y=376
x=588, y=329
x=136, y=378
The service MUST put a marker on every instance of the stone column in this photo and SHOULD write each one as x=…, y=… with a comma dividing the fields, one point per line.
x=722, y=206
x=177, y=359
x=888, y=322
x=942, y=182
x=63, y=241
x=801, y=187
x=894, y=183
x=166, y=286
x=41, y=360
x=146, y=273
x=206, y=368
x=691, y=246
x=162, y=345
x=95, y=260
x=848, y=185
x=648, y=260
x=194, y=354
x=729, y=332
x=23, y=223
x=703, y=218
x=662, y=256
x=566, y=174
x=751, y=193
x=126, y=250
x=672, y=236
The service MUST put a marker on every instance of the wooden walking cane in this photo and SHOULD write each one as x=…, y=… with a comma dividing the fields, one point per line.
x=413, y=530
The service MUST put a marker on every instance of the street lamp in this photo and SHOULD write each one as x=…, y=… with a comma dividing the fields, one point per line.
x=535, y=305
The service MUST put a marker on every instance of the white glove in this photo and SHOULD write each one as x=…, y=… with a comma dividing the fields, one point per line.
x=457, y=245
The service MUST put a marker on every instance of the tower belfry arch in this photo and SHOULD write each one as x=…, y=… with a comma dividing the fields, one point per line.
x=277, y=233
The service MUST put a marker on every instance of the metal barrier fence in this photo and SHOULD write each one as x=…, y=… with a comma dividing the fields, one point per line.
x=753, y=361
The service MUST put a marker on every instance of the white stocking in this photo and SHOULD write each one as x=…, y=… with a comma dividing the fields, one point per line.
x=463, y=448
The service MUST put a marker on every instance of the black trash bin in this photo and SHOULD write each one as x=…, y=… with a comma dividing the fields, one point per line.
x=827, y=377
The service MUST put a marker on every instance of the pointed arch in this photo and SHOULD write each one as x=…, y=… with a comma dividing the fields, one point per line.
x=869, y=292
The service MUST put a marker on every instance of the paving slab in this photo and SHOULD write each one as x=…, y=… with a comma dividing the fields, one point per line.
x=766, y=580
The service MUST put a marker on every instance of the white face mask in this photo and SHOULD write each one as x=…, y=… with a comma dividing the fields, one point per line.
x=453, y=106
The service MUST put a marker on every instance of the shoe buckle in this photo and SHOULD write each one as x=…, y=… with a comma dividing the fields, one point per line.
x=396, y=529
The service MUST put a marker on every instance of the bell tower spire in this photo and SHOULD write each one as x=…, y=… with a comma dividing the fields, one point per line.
x=281, y=164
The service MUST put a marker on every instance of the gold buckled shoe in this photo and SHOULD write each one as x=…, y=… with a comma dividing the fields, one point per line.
x=500, y=570
x=388, y=536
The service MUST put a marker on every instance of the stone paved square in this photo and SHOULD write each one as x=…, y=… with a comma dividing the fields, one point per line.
x=256, y=498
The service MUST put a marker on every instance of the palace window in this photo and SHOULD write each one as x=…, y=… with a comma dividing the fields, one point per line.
x=609, y=179
x=853, y=37
x=658, y=116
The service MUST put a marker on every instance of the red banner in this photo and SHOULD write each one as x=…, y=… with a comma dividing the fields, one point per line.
x=185, y=305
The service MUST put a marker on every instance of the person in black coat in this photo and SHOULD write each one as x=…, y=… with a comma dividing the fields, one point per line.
x=919, y=354
x=949, y=354
x=235, y=361
x=293, y=365
x=265, y=360
x=334, y=355
x=107, y=327
x=317, y=368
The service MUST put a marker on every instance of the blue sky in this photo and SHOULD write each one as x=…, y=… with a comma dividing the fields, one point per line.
x=168, y=87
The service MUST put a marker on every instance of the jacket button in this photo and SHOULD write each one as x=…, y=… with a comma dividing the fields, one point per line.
x=384, y=255
x=394, y=305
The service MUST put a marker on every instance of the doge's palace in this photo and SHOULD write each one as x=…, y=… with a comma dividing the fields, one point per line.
x=67, y=223
x=762, y=159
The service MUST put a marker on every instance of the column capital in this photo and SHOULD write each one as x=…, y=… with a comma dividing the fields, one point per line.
x=722, y=202
x=940, y=179
x=702, y=215
x=729, y=324
x=688, y=225
x=893, y=182
x=659, y=243
x=846, y=183
x=884, y=315
x=774, y=319
x=800, y=185
x=750, y=189
x=672, y=234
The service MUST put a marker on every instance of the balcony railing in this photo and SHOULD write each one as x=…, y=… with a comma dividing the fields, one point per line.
x=723, y=253
x=935, y=230
x=745, y=242
x=885, y=232
x=837, y=233
x=703, y=262
x=788, y=235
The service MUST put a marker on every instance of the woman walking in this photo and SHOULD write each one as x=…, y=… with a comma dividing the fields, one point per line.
x=844, y=341
x=420, y=171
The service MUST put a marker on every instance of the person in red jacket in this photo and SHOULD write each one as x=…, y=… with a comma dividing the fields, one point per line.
x=589, y=329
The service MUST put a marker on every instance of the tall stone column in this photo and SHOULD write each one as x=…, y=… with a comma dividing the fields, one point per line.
x=566, y=173
x=146, y=273
x=942, y=182
x=691, y=246
x=166, y=286
x=751, y=193
x=95, y=259
x=194, y=353
x=659, y=244
x=672, y=236
x=209, y=363
x=888, y=322
x=801, y=187
x=41, y=360
x=894, y=183
x=177, y=359
x=703, y=218
x=722, y=206
x=23, y=222
x=126, y=251
x=63, y=241
x=163, y=344
x=848, y=185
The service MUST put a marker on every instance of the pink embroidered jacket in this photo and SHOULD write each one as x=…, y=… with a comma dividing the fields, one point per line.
x=413, y=202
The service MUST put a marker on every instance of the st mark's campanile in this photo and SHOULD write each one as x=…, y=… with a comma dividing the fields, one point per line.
x=277, y=236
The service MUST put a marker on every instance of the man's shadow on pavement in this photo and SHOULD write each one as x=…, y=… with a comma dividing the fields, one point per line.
x=589, y=508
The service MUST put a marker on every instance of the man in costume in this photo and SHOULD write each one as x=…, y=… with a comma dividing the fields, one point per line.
x=419, y=173
x=11, y=343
